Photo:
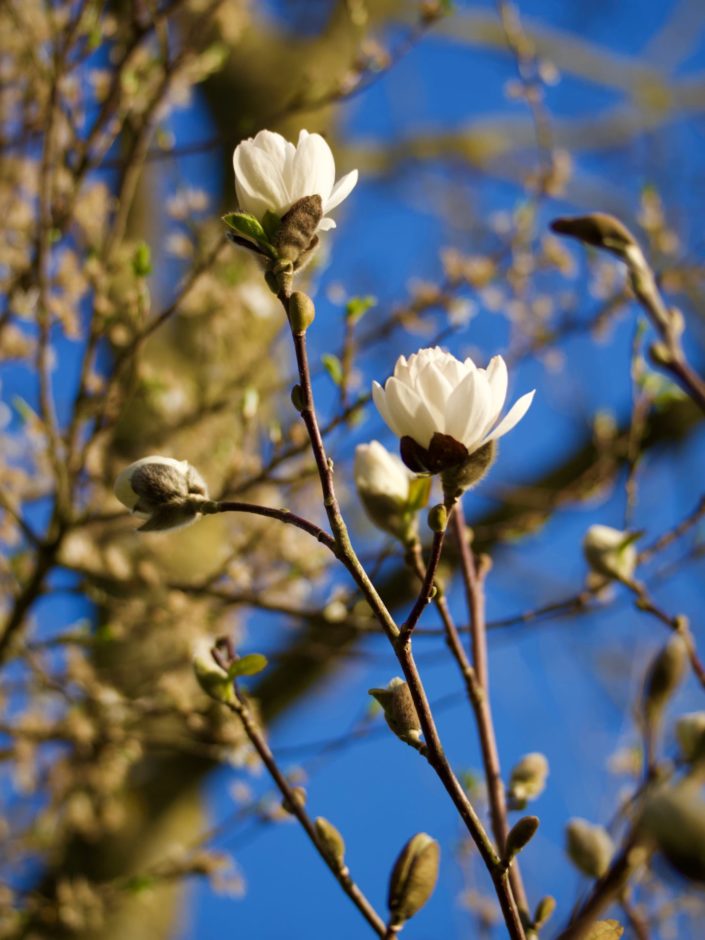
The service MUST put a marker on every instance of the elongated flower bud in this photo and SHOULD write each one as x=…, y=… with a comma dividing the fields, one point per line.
x=399, y=711
x=611, y=553
x=527, y=779
x=665, y=674
x=690, y=734
x=598, y=229
x=413, y=877
x=673, y=821
x=390, y=494
x=332, y=841
x=589, y=847
x=167, y=493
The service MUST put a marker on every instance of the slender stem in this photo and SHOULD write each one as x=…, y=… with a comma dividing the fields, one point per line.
x=434, y=750
x=426, y=592
x=473, y=578
x=340, y=872
x=678, y=624
x=282, y=515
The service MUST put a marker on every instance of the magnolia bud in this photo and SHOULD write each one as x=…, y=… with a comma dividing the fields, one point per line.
x=527, y=779
x=331, y=840
x=296, y=236
x=521, y=833
x=298, y=799
x=211, y=676
x=438, y=518
x=673, y=820
x=399, y=711
x=167, y=493
x=589, y=847
x=413, y=877
x=690, y=734
x=301, y=311
x=388, y=491
x=598, y=229
x=664, y=675
x=610, y=553
x=544, y=910
x=458, y=479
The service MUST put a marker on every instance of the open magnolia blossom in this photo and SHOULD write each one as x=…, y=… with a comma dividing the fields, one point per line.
x=444, y=410
x=167, y=493
x=271, y=175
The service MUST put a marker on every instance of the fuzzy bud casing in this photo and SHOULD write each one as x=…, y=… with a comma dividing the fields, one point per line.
x=673, y=821
x=167, y=493
x=413, y=877
x=598, y=229
x=663, y=677
x=399, y=710
x=521, y=833
x=589, y=847
x=331, y=840
x=690, y=734
x=301, y=311
x=528, y=779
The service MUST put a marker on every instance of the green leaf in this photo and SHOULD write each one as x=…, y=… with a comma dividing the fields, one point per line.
x=249, y=227
x=142, y=260
x=248, y=665
x=605, y=930
x=419, y=492
x=271, y=223
x=333, y=367
x=357, y=306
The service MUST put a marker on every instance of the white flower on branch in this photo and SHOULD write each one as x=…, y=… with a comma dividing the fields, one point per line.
x=271, y=175
x=444, y=411
x=168, y=493
x=390, y=493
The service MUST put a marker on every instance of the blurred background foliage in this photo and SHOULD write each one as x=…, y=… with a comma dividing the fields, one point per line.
x=129, y=326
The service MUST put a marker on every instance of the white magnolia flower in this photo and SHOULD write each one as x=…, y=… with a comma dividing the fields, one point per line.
x=433, y=393
x=610, y=553
x=380, y=473
x=164, y=491
x=271, y=174
x=390, y=493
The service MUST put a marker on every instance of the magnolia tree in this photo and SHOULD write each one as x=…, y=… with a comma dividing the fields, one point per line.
x=182, y=412
x=447, y=416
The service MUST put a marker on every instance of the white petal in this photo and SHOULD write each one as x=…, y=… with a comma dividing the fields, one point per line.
x=326, y=224
x=497, y=378
x=341, y=190
x=470, y=408
x=313, y=169
x=273, y=144
x=434, y=391
x=380, y=399
x=513, y=416
x=258, y=181
x=403, y=404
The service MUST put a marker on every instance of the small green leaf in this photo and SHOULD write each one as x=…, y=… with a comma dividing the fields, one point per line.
x=249, y=227
x=142, y=260
x=333, y=367
x=357, y=306
x=419, y=492
x=271, y=223
x=248, y=665
x=137, y=884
